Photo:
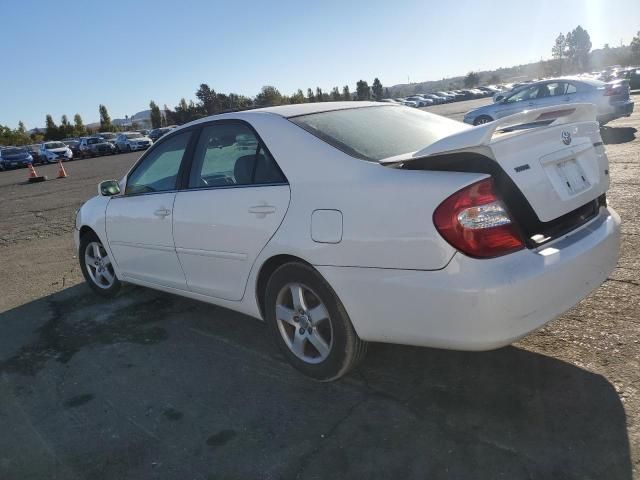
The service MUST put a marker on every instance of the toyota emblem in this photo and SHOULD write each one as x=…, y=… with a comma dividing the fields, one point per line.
x=566, y=137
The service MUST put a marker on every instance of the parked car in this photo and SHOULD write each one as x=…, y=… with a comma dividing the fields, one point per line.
x=95, y=146
x=74, y=145
x=51, y=152
x=420, y=100
x=108, y=136
x=156, y=133
x=132, y=141
x=14, y=157
x=34, y=151
x=450, y=96
x=481, y=255
x=611, y=99
x=437, y=99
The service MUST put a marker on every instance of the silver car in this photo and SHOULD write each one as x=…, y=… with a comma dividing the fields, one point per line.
x=611, y=99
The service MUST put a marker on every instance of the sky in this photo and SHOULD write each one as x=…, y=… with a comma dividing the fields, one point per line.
x=66, y=57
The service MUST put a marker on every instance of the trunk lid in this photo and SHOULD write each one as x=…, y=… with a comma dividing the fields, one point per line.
x=553, y=155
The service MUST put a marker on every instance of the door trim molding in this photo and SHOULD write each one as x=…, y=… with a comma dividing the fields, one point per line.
x=211, y=253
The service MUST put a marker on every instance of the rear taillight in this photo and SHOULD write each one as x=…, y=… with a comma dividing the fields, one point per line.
x=475, y=222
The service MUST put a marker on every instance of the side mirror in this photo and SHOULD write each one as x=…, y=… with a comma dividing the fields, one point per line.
x=109, y=188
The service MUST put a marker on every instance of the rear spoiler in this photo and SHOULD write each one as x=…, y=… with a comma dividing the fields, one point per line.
x=481, y=135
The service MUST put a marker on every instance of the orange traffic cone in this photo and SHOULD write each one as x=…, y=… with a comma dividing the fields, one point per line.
x=61, y=171
x=32, y=172
x=33, y=176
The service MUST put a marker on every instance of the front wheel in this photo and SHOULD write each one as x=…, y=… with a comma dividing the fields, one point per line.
x=97, y=267
x=482, y=119
x=309, y=323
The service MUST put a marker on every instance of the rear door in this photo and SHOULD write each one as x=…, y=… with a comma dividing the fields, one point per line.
x=139, y=223
x=236, y=200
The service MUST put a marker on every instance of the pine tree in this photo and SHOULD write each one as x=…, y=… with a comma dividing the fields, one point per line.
x=52, y=132
x=319, y=95
x=363, y=91
x=156, y=116
x=105, y=119
x=377, y=89
x=310, y=97
x=78, y=126
x=335, y=94
x=346, y=94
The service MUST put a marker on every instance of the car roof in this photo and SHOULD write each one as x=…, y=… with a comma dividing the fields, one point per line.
x=288, y=111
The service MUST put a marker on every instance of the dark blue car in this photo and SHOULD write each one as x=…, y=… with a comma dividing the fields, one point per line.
x=14, y=157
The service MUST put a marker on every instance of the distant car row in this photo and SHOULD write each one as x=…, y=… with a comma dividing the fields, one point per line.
x=436, y=98
x=104, y=143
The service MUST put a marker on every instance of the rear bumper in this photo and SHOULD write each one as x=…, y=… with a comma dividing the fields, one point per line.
x=618, y=110
x=479, y=304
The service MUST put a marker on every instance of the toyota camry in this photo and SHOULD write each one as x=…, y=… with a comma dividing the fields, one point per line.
x=345, y=223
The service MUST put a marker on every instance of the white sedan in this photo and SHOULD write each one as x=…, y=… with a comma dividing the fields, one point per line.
x=346, y=223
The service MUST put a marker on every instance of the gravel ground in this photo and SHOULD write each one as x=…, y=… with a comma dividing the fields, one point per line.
x=155, y=386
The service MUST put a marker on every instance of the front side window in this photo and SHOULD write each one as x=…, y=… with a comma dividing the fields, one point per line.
x=524, y=94
x=230, y=154
x=158, y=172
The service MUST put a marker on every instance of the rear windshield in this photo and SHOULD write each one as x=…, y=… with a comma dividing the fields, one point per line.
x=374, y=133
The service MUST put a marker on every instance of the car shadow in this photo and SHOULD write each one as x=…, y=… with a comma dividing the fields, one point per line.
x=615, y=135
x=154, y=385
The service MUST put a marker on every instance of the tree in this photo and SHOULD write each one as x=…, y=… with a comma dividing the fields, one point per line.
x=346, y=94
x=66, y=129
x=635, y=49
x=310, y=97
x=156, y=116
x=298, y=97
x=21, y=128
x=269, y=95
x=335, y=94
x=105, y=119
x=471, y=80
x=78, y=126
x=208, y=99
x=52, y=132
x=578, y=46
x=558, y=49
x=363, y=91
x=319, y=95
x=376, y=89
x=387, y=94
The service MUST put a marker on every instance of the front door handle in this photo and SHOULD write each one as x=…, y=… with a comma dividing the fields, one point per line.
x=162, y=212
x=262, y=211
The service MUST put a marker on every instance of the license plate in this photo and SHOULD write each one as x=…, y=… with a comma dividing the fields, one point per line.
x=573, y=177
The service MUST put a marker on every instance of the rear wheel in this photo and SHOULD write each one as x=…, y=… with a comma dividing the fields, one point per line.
x=97, y=266
x=482, y=119
x=309, y=323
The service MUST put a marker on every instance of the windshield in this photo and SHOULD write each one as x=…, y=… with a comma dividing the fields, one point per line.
x=91, y=141
x=108, y=136
x=132, y=135
x=374, y=133
x=53, y=145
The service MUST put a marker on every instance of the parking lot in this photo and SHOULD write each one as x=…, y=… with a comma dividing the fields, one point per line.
x=152, y=385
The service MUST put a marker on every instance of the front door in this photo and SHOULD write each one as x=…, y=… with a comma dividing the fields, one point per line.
x=139, y=223
x=236, y=200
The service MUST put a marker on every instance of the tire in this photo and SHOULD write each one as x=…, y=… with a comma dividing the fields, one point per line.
x=342, y=347
x=482, y=119
x=97, y=281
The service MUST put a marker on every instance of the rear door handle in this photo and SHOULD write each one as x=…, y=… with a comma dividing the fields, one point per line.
x=262, y=211
x=162, y=212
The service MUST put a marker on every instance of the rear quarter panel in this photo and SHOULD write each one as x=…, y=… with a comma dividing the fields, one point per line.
x=387, y=212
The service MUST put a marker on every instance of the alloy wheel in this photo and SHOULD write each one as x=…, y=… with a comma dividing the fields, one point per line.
x=303, y=322
x=99, y=265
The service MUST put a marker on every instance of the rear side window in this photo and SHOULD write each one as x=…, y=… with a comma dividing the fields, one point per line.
x=230, y=154
x=374, y=133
